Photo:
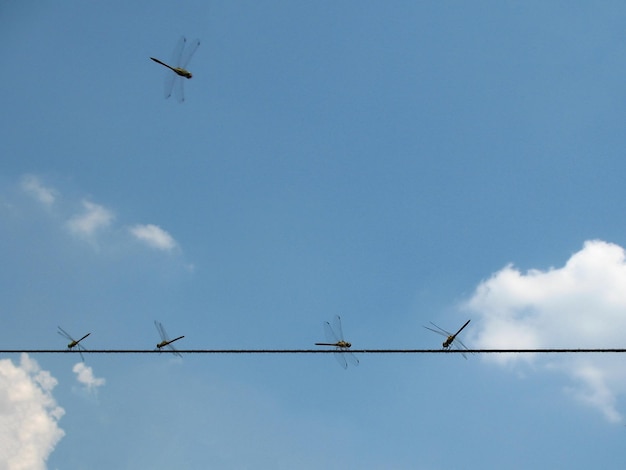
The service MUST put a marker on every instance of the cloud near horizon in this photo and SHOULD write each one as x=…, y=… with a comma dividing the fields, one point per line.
x=580, y=305
x=29, y=415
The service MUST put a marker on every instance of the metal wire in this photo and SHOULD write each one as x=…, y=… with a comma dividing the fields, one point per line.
x=321, y=351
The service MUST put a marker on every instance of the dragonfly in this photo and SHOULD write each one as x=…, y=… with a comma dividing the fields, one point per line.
x=180, y=61
x=335, y=338
x=165, y=341
x=451, y=339
x=74, y=343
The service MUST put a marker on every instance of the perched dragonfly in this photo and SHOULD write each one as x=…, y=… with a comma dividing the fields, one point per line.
x=179, y=61
x=74, y=343
x=165, y=341
x=451, y=339
x=335, y=338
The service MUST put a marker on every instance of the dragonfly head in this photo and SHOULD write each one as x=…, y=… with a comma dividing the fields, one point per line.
x=347, y=345
x=188, y=75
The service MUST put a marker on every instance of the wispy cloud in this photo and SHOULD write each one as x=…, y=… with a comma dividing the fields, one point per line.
x=580, y=305
x=89, y=221
x=29, y=415
x=153, y=236
x=33, y=186
x=93, y=218
x=84, y=375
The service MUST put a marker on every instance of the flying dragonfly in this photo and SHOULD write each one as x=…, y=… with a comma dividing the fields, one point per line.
x=179, y=61
x=451, y=339
x=74, y=343
x=335, y=338
x=165, y=341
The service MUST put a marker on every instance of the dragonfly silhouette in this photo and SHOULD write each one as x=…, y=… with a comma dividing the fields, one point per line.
x=179, y=61
x=335, y=338
x=74, y=343
x=451, y=339
x=165, y=341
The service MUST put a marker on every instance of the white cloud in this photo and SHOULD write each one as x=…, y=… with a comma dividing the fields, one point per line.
x=93, y=218
x=153, y=236
x=95, y=223
x=29, y=415
x=580, y=305
x=84, y=375
x=35, y=188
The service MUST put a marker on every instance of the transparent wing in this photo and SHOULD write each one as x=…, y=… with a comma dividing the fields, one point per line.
x=80, y=348
x=436, y=331
x=341, y=359
x=170, y=79
x=178, y=52
x=331, y=336
x=173, y=350
x=335, y=334
x=165, y=337
x=351, y=357
x=458, y=344
x=179, y=92
x=337, y=327
x=447, y=333
x=77, y=346
x=64, y=333
x=189, y=52
x=161, y=330
x=343, y=356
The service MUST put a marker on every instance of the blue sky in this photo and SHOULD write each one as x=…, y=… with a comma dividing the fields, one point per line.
x=392, y=162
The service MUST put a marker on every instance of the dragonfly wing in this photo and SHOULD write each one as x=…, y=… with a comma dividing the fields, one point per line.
x=189, y=52
x=179, y=93
x=435, y=331
x=352, y=358
x=459, y=348
x=170, y=79
x=337, y=327
x=341, y=359
x=165, y=338
x=458, y=344
x=447, y=333
x=170, y=76
x=64, y=333
x=331, y=336
x=178, y=52
x=161, y=330
x=174, y=350
x=80, y=349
